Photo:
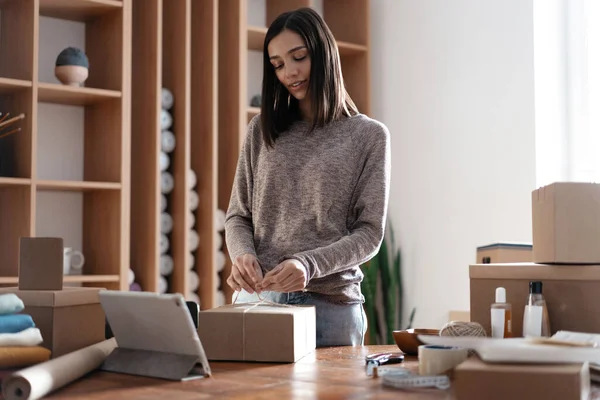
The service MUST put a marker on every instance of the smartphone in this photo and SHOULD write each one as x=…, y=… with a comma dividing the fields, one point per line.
x=193, y=308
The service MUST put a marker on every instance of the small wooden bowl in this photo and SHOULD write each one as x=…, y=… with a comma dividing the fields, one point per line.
x=408, y=342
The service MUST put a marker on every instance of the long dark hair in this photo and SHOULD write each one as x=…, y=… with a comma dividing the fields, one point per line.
x=329, y=99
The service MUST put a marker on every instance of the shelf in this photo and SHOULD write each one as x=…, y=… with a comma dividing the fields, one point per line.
x=256, y=40
x=13, y=280
x=349, y=49
x=8, y=85
x=256, y=37
x=253, y=111
x=10, y=182
x=78, y=10
x=73, y=95
x=75, y=186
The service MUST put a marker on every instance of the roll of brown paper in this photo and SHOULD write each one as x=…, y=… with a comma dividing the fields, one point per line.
x=39, y=380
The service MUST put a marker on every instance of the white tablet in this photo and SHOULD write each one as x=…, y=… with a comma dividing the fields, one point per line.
x=152, y=321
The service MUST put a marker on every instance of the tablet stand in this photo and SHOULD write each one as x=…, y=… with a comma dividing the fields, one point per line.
x=154, y=364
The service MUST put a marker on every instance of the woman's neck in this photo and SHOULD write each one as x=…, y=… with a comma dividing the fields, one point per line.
x=305, y=110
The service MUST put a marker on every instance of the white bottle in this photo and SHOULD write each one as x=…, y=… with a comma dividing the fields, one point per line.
x=501, y=315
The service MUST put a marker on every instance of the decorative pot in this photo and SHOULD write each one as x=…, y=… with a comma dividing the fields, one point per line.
x=72, y=67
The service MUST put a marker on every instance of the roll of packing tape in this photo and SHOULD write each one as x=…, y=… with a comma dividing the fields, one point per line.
x=434, y=360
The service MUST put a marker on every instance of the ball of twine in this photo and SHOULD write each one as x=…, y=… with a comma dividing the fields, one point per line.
x=461, y=328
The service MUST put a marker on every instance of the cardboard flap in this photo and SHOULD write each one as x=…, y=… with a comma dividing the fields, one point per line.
x=177, y=367
x=69, y=296
x=533, y=271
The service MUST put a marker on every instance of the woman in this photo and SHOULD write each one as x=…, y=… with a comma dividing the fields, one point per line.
x=310, y=194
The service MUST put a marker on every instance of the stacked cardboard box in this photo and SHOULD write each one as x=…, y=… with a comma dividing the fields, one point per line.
x=565, y=257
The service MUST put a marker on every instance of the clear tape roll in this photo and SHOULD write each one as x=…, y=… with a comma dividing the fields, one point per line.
x=434, y=360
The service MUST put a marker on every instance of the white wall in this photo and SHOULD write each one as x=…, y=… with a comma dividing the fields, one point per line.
x=454, y=83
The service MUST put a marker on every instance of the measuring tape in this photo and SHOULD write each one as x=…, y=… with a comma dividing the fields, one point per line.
x=401, y=378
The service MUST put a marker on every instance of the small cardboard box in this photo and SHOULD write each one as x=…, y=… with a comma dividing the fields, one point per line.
x=571, y=293
x=566, y=223
x=475, y=380
x=263, y=332
x=505, y=252
x=68, y=318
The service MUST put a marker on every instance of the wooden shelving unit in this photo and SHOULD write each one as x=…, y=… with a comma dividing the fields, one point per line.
x=349, y=22
x=199, y=50
x=169, y=51
x=105, y=100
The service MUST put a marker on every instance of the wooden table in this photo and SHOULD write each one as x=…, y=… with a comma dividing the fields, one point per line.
x=328, y=373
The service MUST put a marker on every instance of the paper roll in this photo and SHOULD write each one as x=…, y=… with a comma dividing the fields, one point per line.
x=166, y=120
x=37, y=381
x=193, y=281
x=194, y=200
x=192, y=179
x=163, y=202
x=167, y=141
x=166, y=99
x=194, y=240
x=218, y=241
x=164, y=243
x=219, y=220
x=164, y=161
x=434, y=360
x=191, y=261
x=131, y=276
x=191, y=220
x=166, y=223
x=166, y=265
x=220, y=260
x=163, y=285
x=166, y=182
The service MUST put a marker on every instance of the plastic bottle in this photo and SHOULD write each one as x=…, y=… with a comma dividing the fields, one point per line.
x=536, y=322
x=501, y=315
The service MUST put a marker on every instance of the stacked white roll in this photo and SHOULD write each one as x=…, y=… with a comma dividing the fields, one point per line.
x=167, y=183
x=219, y=256
x=194, y=239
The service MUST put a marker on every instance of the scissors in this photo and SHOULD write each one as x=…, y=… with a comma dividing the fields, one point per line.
x=377, y=359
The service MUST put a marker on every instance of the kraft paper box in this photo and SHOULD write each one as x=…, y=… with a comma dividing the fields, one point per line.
x=505, y=252
x=68, y=318
x=264, y=332
x=566, y=223
x=476, y=380
x=571, y=293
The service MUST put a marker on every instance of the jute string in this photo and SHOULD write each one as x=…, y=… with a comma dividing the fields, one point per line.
x=249, y=306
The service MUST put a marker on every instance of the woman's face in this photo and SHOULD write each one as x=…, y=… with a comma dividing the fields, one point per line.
x=291, y=61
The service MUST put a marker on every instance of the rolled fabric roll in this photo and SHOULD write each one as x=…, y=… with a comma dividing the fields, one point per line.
x=217, y=282
x=131, y=276
x=164, y=161
x=166, y=265
x=166, y=223
x=166, y=99
x=167, y=141
x=220, y=261
x=166, y=182
x=192, y=179
x=191, y=220
x=219, y=220
x=166, y=120
x=164, y=243
x=193, y=297
x=194, y=240
x=193, y=281
x=194, y=200
x=163, y=202
x=163, y=285
x=135, y=287
x=220, y=298
x=218, y=240
x=191, y=261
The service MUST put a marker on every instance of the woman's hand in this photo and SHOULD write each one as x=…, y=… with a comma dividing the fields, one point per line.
x=289, y=276
x=246, y=273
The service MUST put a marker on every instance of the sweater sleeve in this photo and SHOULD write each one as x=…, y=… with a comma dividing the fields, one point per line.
x=239, y=229
x=368, y=215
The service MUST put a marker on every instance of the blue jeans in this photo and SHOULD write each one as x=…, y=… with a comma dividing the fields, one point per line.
x=337, y=324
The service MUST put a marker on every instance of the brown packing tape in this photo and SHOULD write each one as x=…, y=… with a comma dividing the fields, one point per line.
x=435, y=360
x=37, y=381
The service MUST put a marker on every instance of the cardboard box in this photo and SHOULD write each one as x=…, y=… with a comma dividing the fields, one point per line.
x=570, y=292
x=476, y=380
x=265, y=333
x=504, y=252
x=68, y=318
x=566, y=223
